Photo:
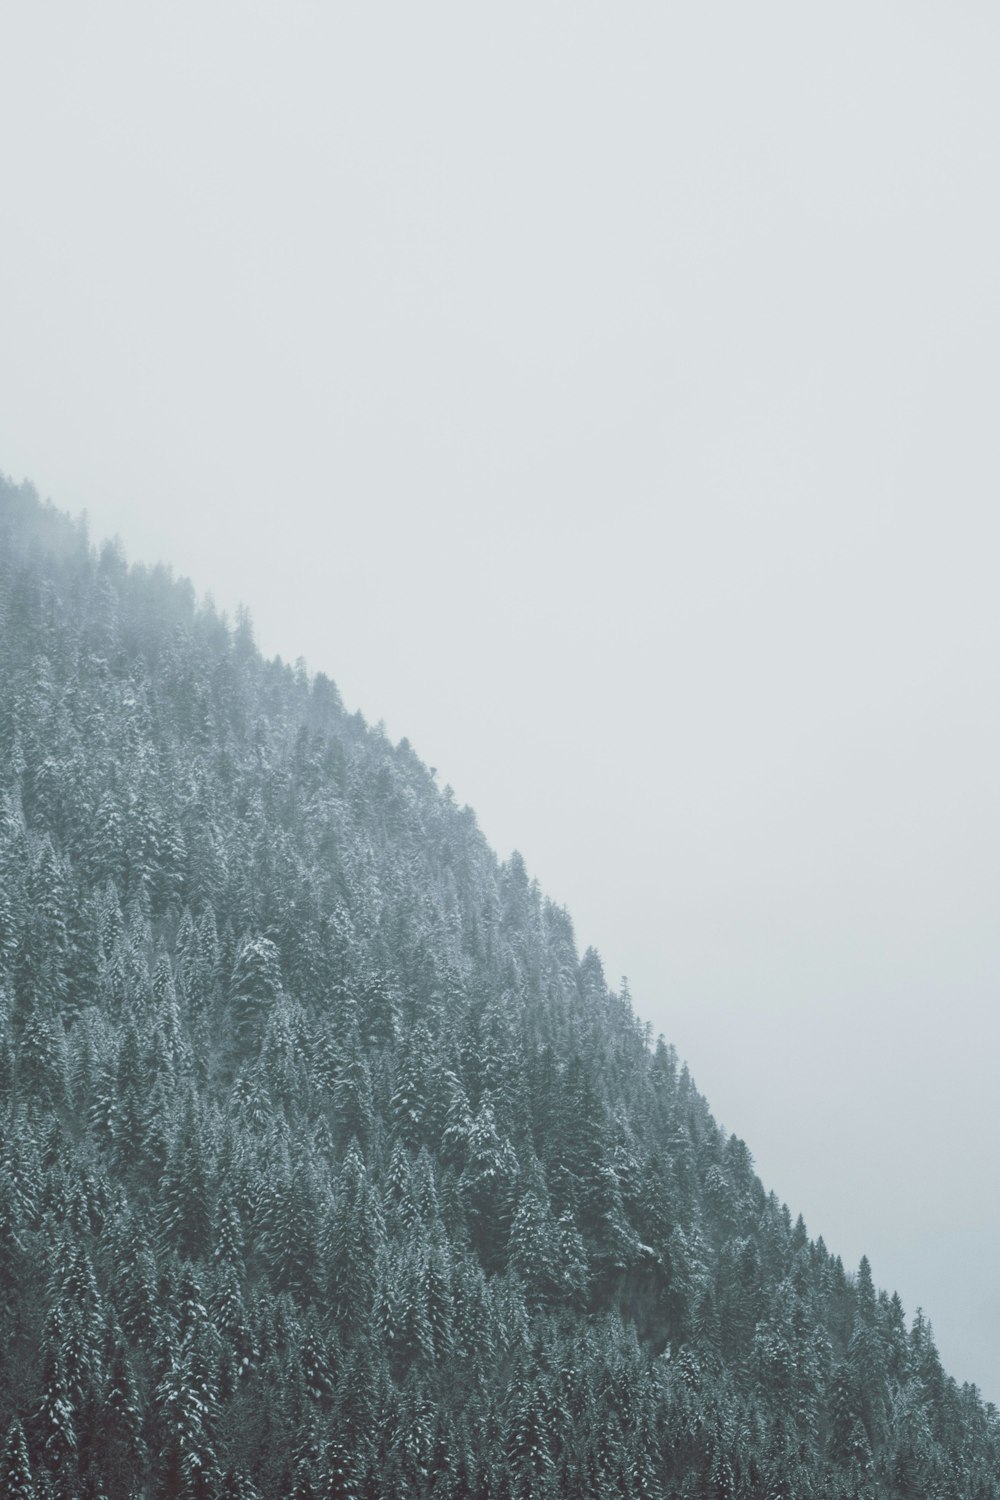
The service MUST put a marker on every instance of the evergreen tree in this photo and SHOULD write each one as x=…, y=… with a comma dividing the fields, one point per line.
x=488, y=1184
x=16, y=1481
x=185, y=1194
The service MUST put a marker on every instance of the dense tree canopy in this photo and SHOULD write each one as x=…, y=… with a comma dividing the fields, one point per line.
x=327, y=1167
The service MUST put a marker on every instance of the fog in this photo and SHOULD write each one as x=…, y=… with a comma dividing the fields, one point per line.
x=605, y=397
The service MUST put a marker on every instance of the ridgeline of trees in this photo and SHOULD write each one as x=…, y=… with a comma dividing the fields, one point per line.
x=327, y=1167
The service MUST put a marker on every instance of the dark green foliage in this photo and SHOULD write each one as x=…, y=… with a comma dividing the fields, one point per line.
x=254, y=988
x=327, y=1168
x=16, y=1480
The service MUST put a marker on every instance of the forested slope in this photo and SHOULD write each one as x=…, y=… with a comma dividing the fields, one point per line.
x=327, y=1166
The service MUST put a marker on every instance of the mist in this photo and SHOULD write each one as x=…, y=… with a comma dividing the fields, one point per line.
x=605, y=399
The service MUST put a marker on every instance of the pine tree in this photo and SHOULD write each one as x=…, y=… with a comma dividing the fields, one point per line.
x=291, y=1232
x=187, y=1464
x=254, y=987
x=238, y=1485
x=339, y=1481
x=356, y=1241
x=488, y=1184
x=42, y=1064
x=413, y=1094
x=185, y=1194
x=352, y=1090
x=528, y=1445
x=55, y=1414
x=46, y=941
x=16, y=1481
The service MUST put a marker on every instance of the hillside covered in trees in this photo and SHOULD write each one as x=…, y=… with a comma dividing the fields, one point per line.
x=328, y=1167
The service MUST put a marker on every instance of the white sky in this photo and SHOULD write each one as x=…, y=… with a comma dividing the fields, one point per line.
x=605, y=397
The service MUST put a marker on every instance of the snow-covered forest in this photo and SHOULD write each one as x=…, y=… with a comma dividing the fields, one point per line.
x=328, y=1167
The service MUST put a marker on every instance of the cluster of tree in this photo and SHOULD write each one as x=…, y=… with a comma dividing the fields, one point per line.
x=327, y=1167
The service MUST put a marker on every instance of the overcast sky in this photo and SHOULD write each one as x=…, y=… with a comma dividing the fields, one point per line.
x=605, y=397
